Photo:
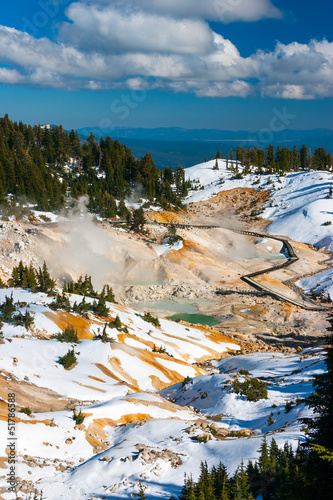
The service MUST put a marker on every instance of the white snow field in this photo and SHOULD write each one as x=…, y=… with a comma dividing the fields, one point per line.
x=124, y=382
x=114, y=383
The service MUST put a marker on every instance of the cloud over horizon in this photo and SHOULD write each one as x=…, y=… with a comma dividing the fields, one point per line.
x=148, y=45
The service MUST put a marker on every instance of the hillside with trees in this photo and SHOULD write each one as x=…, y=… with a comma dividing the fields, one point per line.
x=46, y=165
x=43, y=164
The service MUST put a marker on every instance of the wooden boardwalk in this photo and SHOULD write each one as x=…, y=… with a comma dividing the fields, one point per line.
x=257, y=288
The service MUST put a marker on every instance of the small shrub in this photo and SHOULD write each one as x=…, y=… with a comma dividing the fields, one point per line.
x=327, y=223
x=288, y=406
x=69, y=335
x=187, y=380
x=68, y=359
x=44, y=218
x=204, y=439
x=104, y=337
x=161, y=350
x=270, y=420
x=8, y=308
x=60, y=302
x=244, y=372
x=26, y=410
x=236, y=434
x=81, y=308
x=100, y=308
x=151, y=319
x=116, y=323
x=25, y=319
x=78, y=417
x=253, y=389
x=237, y=176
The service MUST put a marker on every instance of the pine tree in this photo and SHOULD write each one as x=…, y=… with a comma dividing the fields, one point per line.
x=220, y=476
x=241, y=484
x=188, y=492
x=45, y=282
x=107, y=294
x=303, y=157
x=224, y=490
x=209, y=492
x=264, y=456
x=138, y=220
x=270, y=157
x=141, y=492
x=321, y=401
x=273, y=456
x=8, y=308
x=199, y=493
x=15, y=280
x=100, y=308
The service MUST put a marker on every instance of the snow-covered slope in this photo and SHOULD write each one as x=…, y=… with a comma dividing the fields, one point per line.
x=321, y=283
x=104, y=457
x=287, y=378
x=114, y=383
x=210, y=181
x=299, y=206
x=301, y=209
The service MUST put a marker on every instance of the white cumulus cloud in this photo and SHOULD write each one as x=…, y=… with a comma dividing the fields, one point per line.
x=213, y=10
x=146, y=45
x=296, y=71
x=108, y=29
x=10, y=76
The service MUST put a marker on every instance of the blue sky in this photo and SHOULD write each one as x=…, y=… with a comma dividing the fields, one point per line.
x=226, y=64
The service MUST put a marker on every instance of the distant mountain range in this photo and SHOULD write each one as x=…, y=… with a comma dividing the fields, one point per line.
x=173, y=146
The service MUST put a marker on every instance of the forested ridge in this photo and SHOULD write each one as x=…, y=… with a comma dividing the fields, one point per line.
x=280, y=160
x=46, y=165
